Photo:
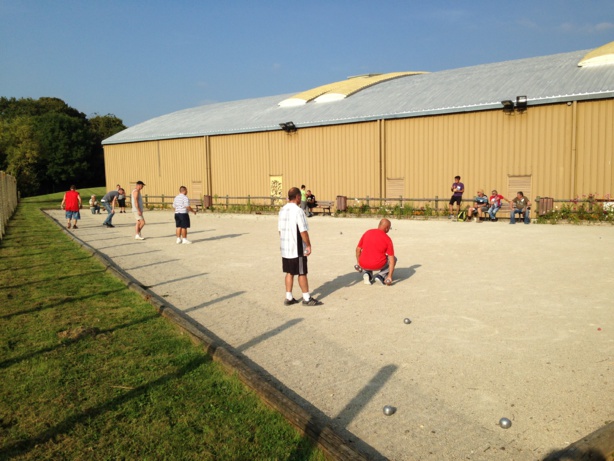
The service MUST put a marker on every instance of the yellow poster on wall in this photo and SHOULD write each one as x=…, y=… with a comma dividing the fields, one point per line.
x=276, y=190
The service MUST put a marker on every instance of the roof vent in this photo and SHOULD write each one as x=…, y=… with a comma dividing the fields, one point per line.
x=341, y=90
x=604, y=55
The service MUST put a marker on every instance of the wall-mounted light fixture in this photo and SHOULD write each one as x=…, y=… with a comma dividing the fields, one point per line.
x=521, y=103
x=508, y=106
x=288, y=127
x=520, y=106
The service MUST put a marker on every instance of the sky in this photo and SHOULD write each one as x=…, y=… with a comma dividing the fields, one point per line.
x=140, y=59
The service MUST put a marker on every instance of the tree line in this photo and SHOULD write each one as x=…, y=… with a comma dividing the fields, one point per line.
x=48, y=145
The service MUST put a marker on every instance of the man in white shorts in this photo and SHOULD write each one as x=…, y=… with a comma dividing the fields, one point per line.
x=137, y=209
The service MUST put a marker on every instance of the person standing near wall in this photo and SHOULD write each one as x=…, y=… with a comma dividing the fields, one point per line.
x=457, y=195
x=304, y=199
x=137, y=209
x=72, y=204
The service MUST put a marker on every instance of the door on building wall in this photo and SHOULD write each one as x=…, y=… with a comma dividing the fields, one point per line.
x=519, y=183
x=395, y=187
x=196, y=191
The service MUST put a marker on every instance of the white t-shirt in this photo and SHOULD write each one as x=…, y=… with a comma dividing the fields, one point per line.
x=292, y=221
x=181, y=203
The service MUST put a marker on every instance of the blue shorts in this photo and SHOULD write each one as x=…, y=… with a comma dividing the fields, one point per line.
x=182, y=220
x=73, y=215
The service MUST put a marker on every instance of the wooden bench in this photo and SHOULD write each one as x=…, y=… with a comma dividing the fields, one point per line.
x=325, y=206
x=506, y=211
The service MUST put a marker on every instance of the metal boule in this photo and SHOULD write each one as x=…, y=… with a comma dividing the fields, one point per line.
x=407, y=321
x=389, y=410
x=505, y=423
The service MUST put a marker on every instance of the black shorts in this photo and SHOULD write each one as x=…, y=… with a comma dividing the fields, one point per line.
x=295, y=266
x=456, y=199
x=182, y=220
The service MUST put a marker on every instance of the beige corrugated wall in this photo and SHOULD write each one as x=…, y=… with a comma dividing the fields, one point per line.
x=484, y=148
x=330, y=161
x=561, y=150
x=595, y=148
x=163, y=166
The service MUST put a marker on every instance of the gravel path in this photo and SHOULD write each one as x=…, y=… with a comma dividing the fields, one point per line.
x=506, y=321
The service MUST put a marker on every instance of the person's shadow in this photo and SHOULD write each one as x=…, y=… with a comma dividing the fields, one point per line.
x=352, y=278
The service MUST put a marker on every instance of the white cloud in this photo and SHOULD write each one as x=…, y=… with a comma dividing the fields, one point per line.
x=586, y=28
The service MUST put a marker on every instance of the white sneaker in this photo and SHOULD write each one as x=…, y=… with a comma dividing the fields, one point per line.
x=186, y=242
x=138, y=237
x=367, y=279
x=178, y=239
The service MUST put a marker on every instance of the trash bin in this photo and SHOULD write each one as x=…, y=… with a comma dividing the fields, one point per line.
x=545, y=205
x=207, y=202
x=342, y=203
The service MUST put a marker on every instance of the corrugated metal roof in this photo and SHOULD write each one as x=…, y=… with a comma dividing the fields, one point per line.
x=547, y=79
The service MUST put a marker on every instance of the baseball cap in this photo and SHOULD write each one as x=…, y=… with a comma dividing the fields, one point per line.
x=140, y=182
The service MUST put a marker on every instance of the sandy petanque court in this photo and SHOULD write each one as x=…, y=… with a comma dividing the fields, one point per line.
x=506, y=321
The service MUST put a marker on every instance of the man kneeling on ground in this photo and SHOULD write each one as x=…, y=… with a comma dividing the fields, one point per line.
x=375, y=252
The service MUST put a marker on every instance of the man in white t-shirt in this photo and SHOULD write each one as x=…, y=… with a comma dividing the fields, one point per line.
x=182, y=207
x=295, y=248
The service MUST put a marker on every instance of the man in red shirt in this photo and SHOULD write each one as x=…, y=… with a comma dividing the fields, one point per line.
x=72, y=204
x=375, y=252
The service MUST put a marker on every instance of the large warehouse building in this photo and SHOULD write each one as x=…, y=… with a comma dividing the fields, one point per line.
x=543, y=125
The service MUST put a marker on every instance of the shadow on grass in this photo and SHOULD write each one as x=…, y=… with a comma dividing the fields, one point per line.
x=54, y=279
x=61, y=263
x=64, y=427
x=63, y=301
x=68, y=342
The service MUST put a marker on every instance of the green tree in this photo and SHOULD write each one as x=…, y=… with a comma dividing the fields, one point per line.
x=65, y=144
x=20, y=153
x=49, y=145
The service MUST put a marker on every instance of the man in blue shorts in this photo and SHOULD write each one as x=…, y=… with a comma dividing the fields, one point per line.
x=295, y=248
x=72, y=204
x=182, y=207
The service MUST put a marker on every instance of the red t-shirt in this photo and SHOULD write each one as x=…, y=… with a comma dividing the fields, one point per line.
x=376, y=247
x=72, y=201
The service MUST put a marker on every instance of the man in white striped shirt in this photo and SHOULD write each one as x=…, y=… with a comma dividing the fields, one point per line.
x=295, y=247
x=181, y=204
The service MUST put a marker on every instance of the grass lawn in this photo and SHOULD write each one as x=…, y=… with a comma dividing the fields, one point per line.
x=89, y=370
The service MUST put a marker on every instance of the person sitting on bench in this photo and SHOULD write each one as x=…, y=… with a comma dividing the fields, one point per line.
x=495, y=204
x=311, y=203
x=521, y=206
